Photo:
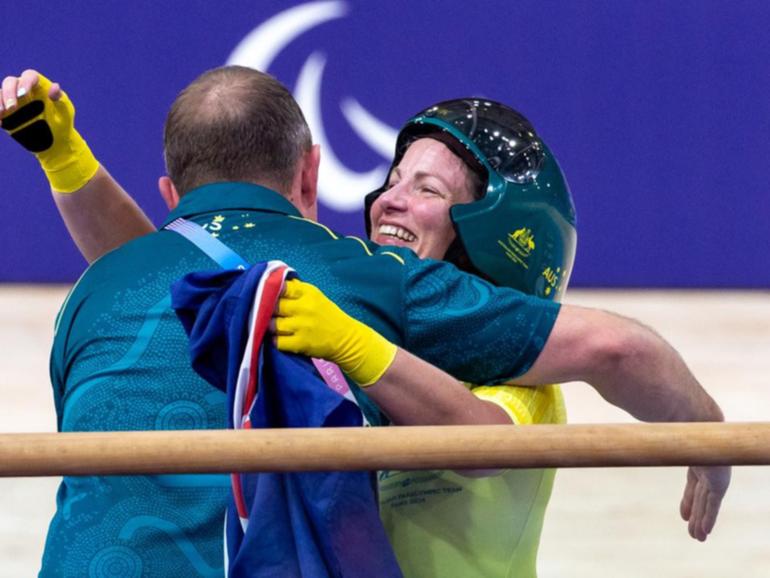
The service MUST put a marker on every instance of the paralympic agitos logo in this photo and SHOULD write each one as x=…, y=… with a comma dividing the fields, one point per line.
x=340, y=188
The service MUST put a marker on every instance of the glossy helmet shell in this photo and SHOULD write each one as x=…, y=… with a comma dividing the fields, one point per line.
x=521, y=233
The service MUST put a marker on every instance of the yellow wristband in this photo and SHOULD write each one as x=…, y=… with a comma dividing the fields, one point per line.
x=379, y=357
x=68, y=171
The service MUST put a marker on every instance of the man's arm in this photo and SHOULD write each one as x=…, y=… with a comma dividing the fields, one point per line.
x=98, y=213
x=635, y=369
x=628, y=364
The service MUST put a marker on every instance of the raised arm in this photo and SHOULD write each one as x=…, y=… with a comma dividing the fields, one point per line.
x=635, y=369
x=98, y=213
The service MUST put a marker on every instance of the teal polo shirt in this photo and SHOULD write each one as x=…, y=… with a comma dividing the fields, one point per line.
x=120, y=362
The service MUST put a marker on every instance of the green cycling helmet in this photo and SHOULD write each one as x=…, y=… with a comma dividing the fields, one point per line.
x=521, y=232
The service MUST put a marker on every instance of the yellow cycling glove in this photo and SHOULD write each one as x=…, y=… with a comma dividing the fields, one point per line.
x=46, y=128
x=308, y=323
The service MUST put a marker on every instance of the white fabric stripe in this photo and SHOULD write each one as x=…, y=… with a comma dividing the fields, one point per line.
x=243, y=372
x=245, y=367
x=224, y=547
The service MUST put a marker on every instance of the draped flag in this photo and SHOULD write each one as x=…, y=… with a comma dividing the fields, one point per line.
x=309, y=525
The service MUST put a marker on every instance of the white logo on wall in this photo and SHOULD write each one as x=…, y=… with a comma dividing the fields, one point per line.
x=339, y=187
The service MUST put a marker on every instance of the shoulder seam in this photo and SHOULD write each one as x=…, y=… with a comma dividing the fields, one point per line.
x=317, y=224
x=398, y=258
x=363, y=244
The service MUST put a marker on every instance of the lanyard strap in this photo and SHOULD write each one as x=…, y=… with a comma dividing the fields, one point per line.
x=213, y=247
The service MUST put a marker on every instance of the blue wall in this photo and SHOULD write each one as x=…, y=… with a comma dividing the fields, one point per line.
x=658, y=111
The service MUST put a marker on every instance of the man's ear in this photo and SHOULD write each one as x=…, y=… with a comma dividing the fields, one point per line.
x=168, y=192
x=309, y=183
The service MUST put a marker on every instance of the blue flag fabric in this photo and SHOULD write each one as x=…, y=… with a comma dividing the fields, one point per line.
x=308, y=525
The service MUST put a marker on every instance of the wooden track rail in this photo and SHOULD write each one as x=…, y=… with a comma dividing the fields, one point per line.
x=425, y=447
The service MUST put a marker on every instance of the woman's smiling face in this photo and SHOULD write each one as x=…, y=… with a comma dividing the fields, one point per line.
x=414, y=210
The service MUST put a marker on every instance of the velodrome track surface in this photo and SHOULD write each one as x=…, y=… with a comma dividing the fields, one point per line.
x=602, y=522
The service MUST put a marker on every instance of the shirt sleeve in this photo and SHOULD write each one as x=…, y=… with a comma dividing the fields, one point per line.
x=57, y=362
x=472, y=329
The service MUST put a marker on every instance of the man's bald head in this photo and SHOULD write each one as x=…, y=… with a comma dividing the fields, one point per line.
x=234, y=124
